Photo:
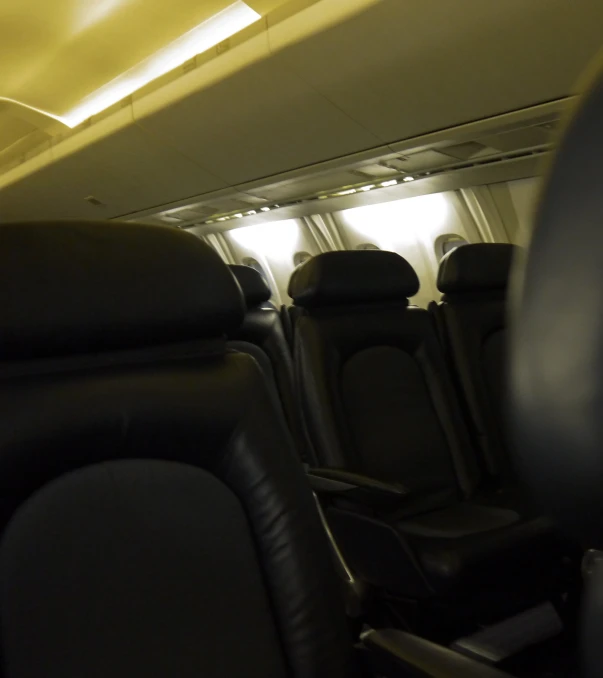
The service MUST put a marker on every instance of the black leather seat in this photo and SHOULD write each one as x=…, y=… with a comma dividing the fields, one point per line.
x=263, y=328
x=411, y=516
x=556, y=385
x=472, y=320
x=153, y=523
x=287, y=325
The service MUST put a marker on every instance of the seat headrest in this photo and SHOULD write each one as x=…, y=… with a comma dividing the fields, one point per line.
x=75, y=287
x=355, y=277
x=255, y=289
x=476, y=268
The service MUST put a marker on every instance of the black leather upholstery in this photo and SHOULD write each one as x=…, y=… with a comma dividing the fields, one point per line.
x=556, y=389
x=476, y=268
x=112, y=566
x=287, y=324
x=254, y=287
x=557, y=357
x=377, y=400
x=143, y=607
x=335, y=278
x=263, y=328
x=148, y=299
x=472, y=320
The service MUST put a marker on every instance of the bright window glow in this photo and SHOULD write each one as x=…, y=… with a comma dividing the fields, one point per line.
x=275, y=239
x=393, y=225
x=206, y=35
x=391, y=182
x=409, y=178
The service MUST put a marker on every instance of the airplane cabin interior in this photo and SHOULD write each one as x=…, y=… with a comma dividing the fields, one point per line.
x=300, y=331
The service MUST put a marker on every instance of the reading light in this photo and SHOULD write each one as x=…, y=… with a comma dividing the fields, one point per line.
x=367, y=188
x=265, y=209
x=391, y=182
x=206, y=35
x=408, y=179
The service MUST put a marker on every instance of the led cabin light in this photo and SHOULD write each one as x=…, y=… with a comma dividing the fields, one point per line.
x=408, y=179
x=391, y=182
x=206, y=35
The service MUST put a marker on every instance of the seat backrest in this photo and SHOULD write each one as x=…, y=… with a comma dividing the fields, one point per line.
x=471, y=318
x=287, y=325
x=263, y=327
x=154, y=518
x=375, y=393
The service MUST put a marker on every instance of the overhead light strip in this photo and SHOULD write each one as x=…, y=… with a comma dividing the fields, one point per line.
x=206, y=35
x=347, y=191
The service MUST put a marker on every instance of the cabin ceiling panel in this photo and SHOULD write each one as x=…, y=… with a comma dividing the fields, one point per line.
x=60, y=51
x=260, y=122
x=128, y=171
x=401, y=69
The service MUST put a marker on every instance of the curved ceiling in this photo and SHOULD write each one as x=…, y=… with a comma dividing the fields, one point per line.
x=66, y=55
x=315, y=82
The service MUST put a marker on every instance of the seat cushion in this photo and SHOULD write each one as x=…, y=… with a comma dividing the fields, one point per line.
x=130, y=584
x=467, y=547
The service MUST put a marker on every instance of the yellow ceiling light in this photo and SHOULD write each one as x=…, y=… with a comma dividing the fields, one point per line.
x=206, y=35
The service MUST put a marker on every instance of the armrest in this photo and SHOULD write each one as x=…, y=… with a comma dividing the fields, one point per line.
x=395, y=654
x=356, y=487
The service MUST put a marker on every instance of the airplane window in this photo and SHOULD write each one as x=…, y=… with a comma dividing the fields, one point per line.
x=367, y=246
x=447, y=243
x=300, y=258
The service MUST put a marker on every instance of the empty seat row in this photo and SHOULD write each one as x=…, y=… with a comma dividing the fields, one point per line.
x=154, y=520
x=471, y=319
x=403, y=408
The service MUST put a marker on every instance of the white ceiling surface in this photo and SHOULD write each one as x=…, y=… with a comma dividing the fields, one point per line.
x=56, y=54
x=307, y=90
x=62, y=51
